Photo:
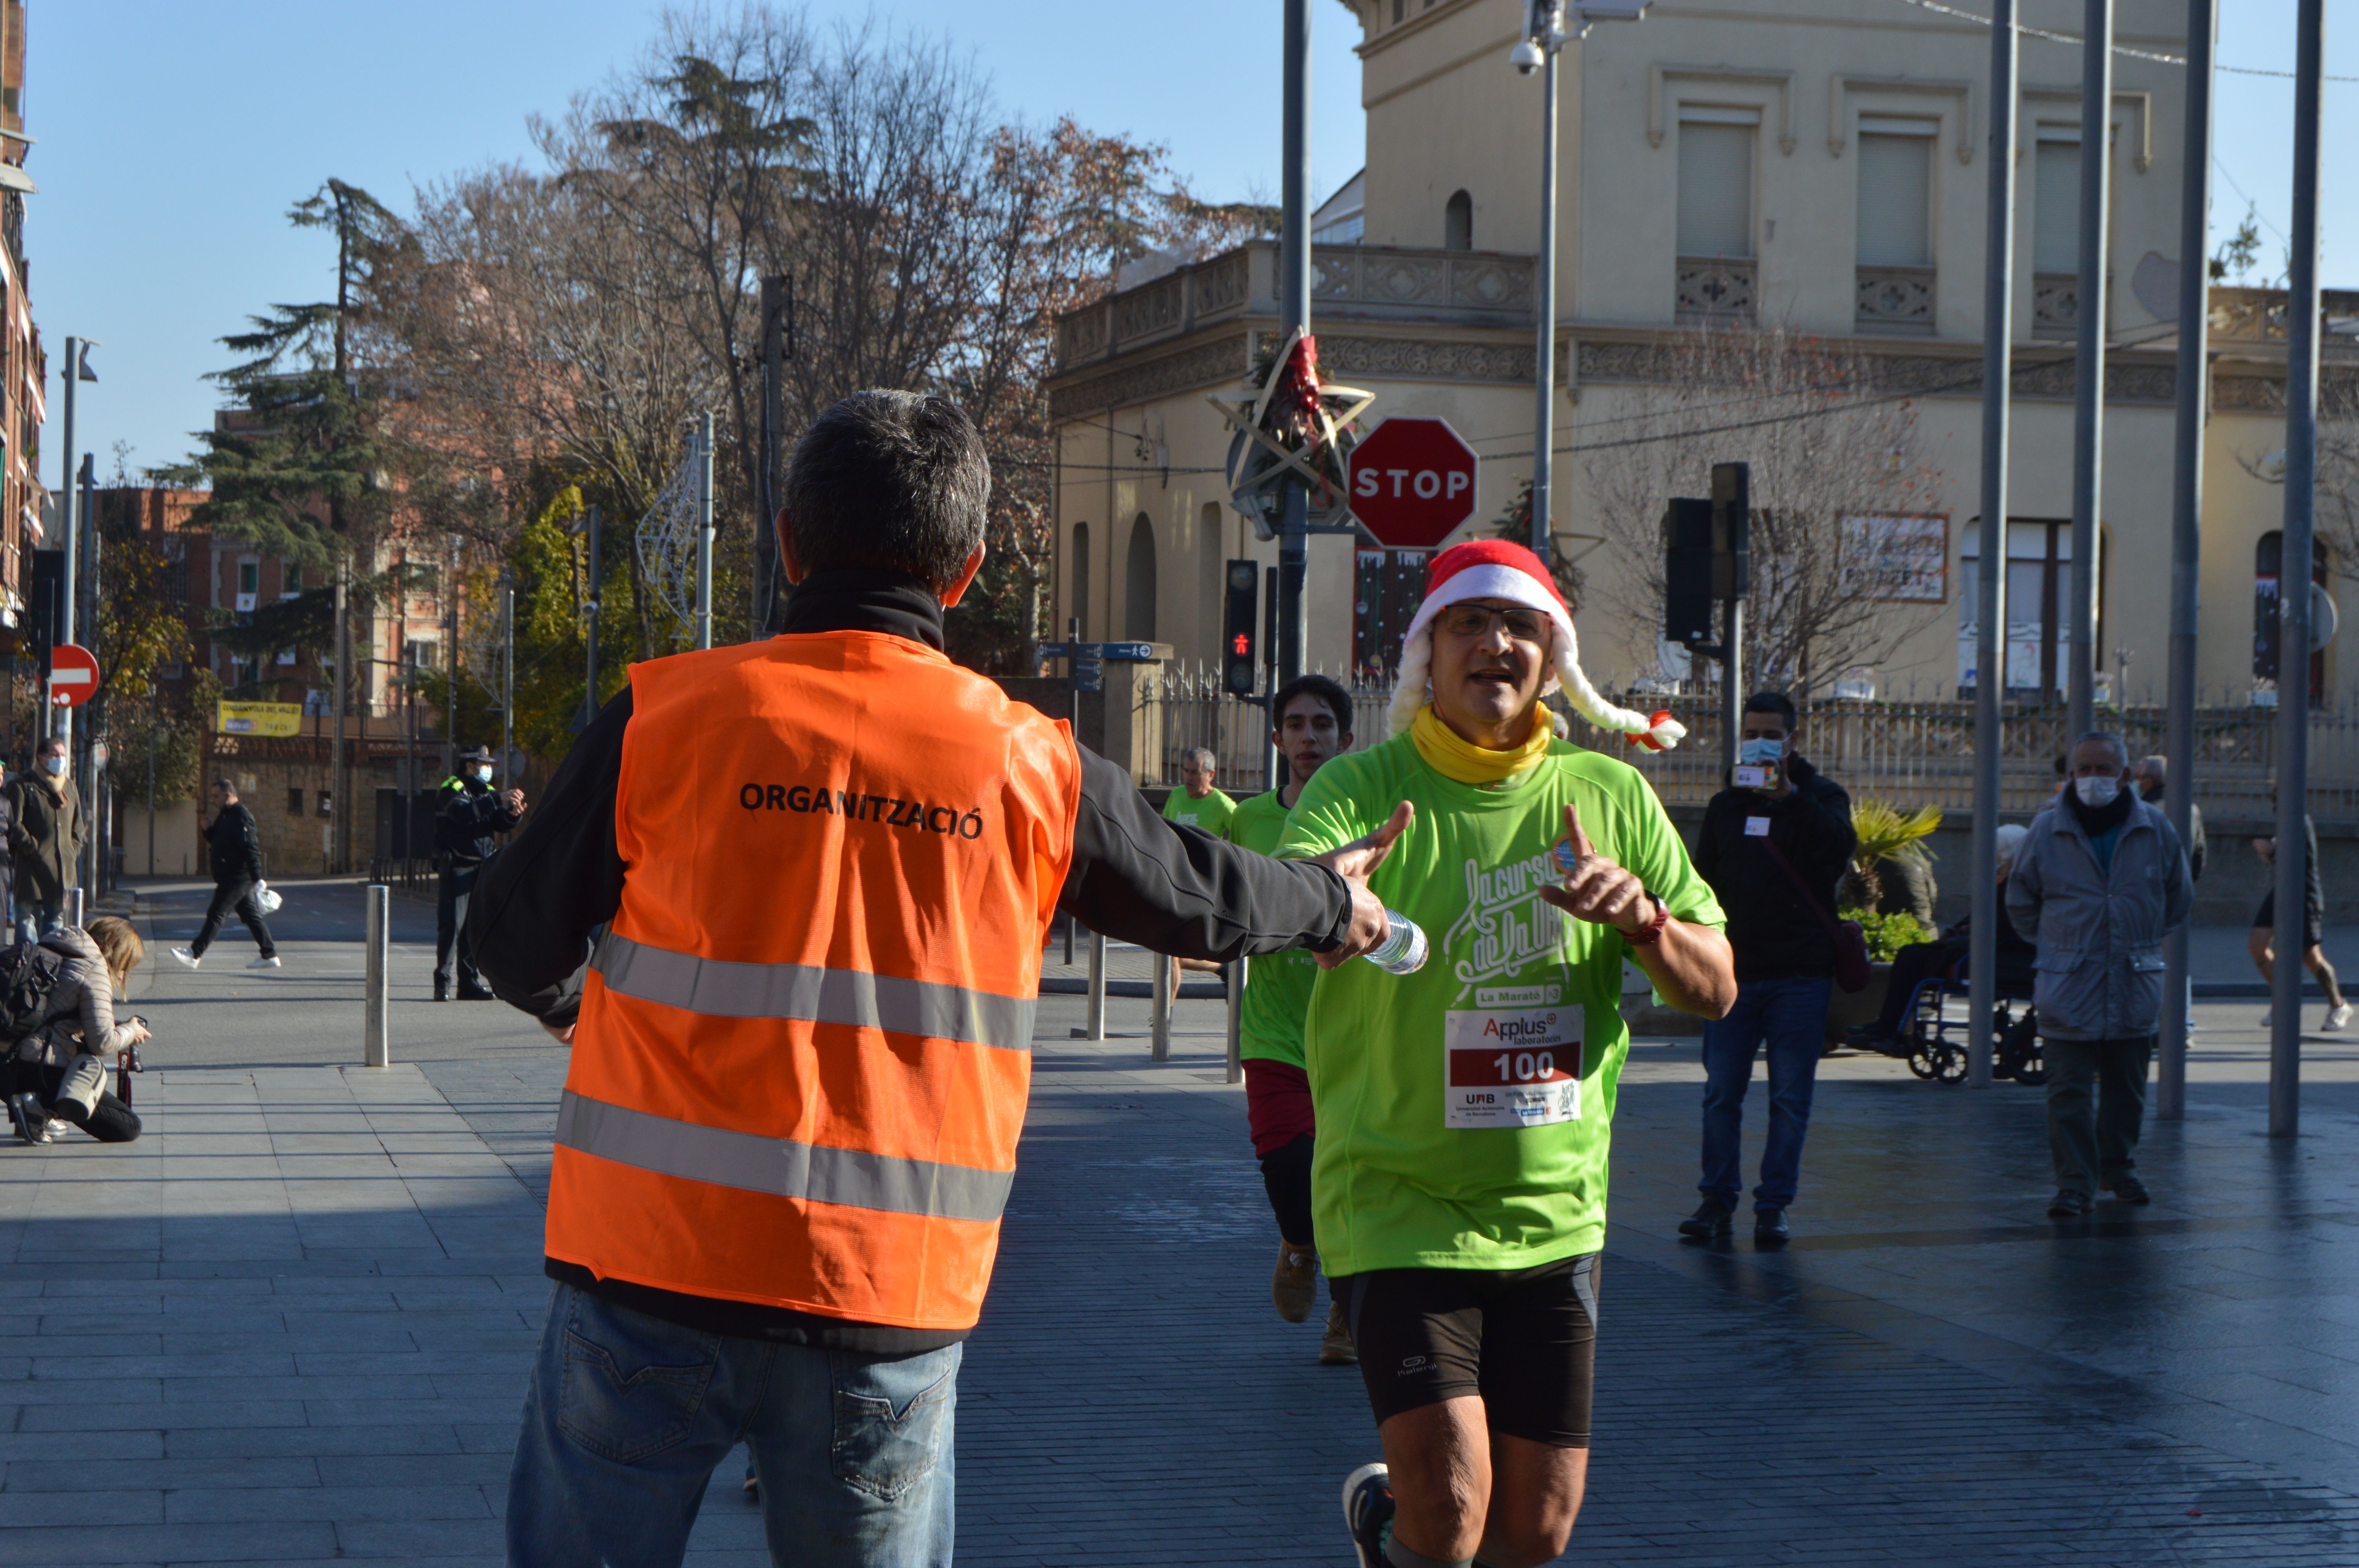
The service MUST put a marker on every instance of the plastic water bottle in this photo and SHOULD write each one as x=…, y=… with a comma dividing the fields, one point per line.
x=1402, y=952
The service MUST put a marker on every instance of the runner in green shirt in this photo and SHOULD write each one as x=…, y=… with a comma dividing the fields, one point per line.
x=1463, y=1111
x=1196, y=803
x=1311, y=721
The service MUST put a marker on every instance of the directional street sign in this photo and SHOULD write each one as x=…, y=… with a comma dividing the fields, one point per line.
x=73, y=675
x=1120, y=653
x=1412, y=483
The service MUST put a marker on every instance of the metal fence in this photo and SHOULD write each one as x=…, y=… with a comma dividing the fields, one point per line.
x=1909, y=751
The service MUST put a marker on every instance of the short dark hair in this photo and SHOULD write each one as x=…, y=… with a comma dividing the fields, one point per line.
x=891, y=481
x=1776, y=702
x=225, y=786
x=1327, y=690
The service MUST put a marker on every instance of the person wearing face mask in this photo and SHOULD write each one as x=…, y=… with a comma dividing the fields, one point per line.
x=2098, y=881
x=1774, y=846
x=466, y=832
x=44, y=842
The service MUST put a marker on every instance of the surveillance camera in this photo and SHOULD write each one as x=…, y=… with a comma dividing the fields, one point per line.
x=1527, y=56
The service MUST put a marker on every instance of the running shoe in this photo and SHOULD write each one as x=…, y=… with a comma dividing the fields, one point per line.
x=2338, y=1017
x=1335, y=1347
x=1294, y=1283
x=270, y=963
x=187, y=957
x=1368, y=1512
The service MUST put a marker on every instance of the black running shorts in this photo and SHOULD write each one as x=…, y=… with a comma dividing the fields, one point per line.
x=1524, y=1339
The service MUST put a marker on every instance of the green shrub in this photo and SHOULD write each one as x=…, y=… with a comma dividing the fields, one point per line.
x=1887, y=934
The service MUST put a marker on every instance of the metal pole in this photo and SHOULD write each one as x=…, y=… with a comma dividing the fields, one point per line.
x=701, y=456
x=1990, y=569
x=1294, y=309
x=2187, y=526
x=61, y=718
x=451, y=690
x=1732, y=678
x=2089, y=363
x=2293, y=578
x=376, y=1042
x=1159, y=1024
x=73, y=906
x=597, y=588
x=1544, y=309
x=777, y=303
x=151, y=784
x=89, y=775
x=1232, y=979
x=339, y=798
x=507, y=675
x=1093, y=1014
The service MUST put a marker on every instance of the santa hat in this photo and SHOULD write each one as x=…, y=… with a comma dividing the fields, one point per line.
x=1497, y=569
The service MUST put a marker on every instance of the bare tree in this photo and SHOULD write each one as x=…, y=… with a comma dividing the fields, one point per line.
x=1835, y=453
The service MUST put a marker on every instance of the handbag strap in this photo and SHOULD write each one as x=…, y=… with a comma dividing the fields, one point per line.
x=1833, y=930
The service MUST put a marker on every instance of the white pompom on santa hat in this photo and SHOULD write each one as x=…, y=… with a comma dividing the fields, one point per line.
x=1500, y=570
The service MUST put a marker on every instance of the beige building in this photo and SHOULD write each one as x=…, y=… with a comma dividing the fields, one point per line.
x=1813, y=168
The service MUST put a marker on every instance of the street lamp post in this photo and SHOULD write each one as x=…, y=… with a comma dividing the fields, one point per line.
x=1544, y=37
x=77, y=370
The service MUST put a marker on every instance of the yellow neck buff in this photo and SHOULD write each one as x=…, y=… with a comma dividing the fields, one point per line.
x=1466, y=762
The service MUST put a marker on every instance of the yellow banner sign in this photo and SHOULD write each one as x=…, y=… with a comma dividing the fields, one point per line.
x=260, y=717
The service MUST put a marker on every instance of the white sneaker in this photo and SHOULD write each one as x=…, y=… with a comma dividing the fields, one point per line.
x=270, y=963
x=191, y=959
x=2268, y=1020
x=2338, y=1019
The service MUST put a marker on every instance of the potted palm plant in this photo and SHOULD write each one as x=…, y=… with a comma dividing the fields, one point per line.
x=1885, y=839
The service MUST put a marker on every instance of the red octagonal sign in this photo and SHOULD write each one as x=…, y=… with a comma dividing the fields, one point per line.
x=1412, y=483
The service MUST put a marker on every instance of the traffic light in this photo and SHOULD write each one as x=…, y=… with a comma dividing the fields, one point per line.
x=1731, y=530
x=1687, y=571
x=1237, y=628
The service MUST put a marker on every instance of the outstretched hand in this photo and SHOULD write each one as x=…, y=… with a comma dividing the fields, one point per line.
x=1355, y=862
x=1594, y=888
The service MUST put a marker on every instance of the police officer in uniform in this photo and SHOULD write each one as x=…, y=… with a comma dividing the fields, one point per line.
x=468, y=821
x=819, y=871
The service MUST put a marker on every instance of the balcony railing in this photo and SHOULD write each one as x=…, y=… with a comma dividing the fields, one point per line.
x=1895, y=300
x=2055, y=304
x=1715, y=290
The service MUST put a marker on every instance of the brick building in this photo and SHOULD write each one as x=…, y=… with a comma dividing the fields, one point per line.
x=24, y=367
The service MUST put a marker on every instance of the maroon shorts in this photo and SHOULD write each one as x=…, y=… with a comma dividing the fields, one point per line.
x=1277, y=1103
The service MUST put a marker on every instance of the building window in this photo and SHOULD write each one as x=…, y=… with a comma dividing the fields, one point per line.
x=1077, y=594
x=294, y=800
x=1715, y=204
x=2055, y=232
x=2038, y=597
x=2268, y=568
x=1458, y=222
x=1138, y=583
x=290, y=579
x=1894, y=232
x=1400, y=11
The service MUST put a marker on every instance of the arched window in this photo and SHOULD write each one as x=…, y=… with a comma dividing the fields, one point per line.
x=1458, y=222
x=2269, y=566
x=1138, y=583
x=1076, y=591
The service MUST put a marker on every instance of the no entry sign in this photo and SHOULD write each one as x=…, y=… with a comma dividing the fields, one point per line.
x=73, y=675
x=1412, y=483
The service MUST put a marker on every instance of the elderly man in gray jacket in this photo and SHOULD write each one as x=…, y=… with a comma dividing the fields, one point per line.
x=2098, y=881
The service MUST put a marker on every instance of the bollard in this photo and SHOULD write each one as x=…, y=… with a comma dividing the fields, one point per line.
x=1233, y=976
x=1094, y=1018
x=376, y=1043
x=74, y=907
x=1158, y=1027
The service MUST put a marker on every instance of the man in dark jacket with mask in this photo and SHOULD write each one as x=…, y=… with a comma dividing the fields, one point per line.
x=466, y=833
x=2100, y=881
x=236, y=856
x=1774, y=846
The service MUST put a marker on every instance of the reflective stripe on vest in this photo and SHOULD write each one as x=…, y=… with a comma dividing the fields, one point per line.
x=725, y=989
x=777, y=1165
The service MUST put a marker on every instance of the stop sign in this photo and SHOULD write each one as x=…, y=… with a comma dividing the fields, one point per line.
x=73, y=675
x=1412, y=483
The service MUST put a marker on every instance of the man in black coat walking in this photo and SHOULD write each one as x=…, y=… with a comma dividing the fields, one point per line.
x=236, y=856
x=467, y=826
x=1774, y=848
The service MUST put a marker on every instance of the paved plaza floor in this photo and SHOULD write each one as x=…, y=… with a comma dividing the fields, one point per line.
x=291, y=1325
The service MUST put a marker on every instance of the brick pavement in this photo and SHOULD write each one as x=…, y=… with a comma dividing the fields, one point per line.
x=292, y=1323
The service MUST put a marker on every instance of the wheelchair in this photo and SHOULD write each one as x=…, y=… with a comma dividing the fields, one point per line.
x=1937, y=1025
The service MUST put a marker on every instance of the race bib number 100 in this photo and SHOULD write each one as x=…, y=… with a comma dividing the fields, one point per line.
x=1511, y=1067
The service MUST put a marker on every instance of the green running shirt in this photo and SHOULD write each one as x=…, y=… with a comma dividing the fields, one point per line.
x=1212, y=814
x=1278, y=984
x=1503, y=1165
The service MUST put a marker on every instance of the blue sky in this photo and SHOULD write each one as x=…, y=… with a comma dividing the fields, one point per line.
x=174, y=137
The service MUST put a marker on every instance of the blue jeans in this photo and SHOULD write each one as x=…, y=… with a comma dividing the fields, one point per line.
x=1789, y=1018
x=627, y=1415
x=37, y=917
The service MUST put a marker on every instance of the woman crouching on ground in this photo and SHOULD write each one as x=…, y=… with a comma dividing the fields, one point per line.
x=62, y=1055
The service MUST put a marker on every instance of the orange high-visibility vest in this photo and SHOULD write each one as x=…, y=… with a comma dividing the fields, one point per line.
x=804, y=1048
